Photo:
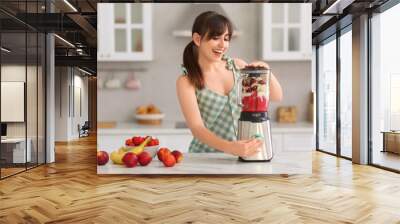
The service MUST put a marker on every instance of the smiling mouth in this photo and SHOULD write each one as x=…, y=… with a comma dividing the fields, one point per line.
x=218, y=51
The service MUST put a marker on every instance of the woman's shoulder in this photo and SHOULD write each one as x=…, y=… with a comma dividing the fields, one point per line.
x=183, y=80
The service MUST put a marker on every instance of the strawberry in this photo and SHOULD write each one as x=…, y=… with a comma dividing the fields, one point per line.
x=156, y=142
x=150, y=143
x=153, y=142
x=137, y=140
x=128, y=142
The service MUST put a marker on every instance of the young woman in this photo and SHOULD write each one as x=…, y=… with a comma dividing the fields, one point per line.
x=207, y=89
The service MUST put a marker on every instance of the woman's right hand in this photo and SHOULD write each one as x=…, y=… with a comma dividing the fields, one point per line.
x=245, y=148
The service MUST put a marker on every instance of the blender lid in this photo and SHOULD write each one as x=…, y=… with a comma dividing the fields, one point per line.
x=254, y=70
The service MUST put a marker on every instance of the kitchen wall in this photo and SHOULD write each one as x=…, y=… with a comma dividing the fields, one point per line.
x=159, y=75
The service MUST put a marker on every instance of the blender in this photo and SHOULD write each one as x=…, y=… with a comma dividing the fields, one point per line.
x=253, y=98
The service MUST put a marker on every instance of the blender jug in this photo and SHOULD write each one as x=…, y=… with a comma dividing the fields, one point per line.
x=253, y=98
x=253, y=95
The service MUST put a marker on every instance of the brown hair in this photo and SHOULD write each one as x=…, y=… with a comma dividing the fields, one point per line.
x=208, y=24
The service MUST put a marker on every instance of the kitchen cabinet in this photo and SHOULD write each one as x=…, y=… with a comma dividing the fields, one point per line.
x=124, y=32
x=292, y=142
x=286, y=32
x=277, y=142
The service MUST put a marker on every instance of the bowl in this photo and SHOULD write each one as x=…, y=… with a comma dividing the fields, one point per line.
x=152, y=149
x=149, y=119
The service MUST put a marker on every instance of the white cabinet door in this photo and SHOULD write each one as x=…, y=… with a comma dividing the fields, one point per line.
x=125, y=32
x=286, y=31
x=104, y=24
x=277, y=142
x=298, y=142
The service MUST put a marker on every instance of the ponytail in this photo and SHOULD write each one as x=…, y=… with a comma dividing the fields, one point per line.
x=208, y=24
x=190, y=62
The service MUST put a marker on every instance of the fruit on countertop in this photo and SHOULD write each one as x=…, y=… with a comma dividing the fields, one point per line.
x=130, y=159
x=153, y=142
x=102, y=157
x=129, y=142
x=169, y=160
x=130, y=154
x=144, y=158
x=138, y=149
x=178, y=155
x=137, y=140
x=116, y=156
x=162, y=152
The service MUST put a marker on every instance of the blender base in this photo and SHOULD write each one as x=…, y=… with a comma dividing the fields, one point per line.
x=252, y=161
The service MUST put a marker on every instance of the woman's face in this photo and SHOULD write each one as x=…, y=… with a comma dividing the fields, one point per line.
x=214, y=48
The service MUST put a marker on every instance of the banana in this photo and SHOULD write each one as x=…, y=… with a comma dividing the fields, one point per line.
x=116, y=156
x=140, y=148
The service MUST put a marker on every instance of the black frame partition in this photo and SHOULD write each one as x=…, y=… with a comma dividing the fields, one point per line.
x=340, y=33
x=27, y=49
x=328, y=39
x=333, y=37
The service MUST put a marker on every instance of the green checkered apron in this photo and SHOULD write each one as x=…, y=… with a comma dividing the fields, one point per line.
x=219, y=113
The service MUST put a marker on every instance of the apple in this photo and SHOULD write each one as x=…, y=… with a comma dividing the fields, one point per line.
x=102, y=157
x=144, y=158
x=169, y=160
x=178, y=155
x=137, y=140
x=162, y=152
x=130, y=159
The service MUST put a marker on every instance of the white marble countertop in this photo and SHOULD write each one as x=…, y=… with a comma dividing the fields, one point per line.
x=219, y=164
x=169, y=127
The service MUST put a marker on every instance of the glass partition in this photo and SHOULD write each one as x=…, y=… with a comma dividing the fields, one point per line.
x=13, y=108
x=327, y=96
x=22, y=87
x=346, y=94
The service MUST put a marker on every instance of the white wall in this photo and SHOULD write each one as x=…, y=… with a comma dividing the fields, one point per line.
x=67, y=120
x=17, y=73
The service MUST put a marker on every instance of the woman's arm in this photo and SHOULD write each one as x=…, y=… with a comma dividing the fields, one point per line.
x=189, y=107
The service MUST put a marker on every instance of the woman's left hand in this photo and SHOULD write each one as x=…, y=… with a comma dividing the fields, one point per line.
x=259, y=64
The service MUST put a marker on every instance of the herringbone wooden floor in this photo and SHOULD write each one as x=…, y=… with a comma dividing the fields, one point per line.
x=70, y=191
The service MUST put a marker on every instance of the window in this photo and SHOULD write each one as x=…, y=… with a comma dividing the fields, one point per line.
x=385, y=89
